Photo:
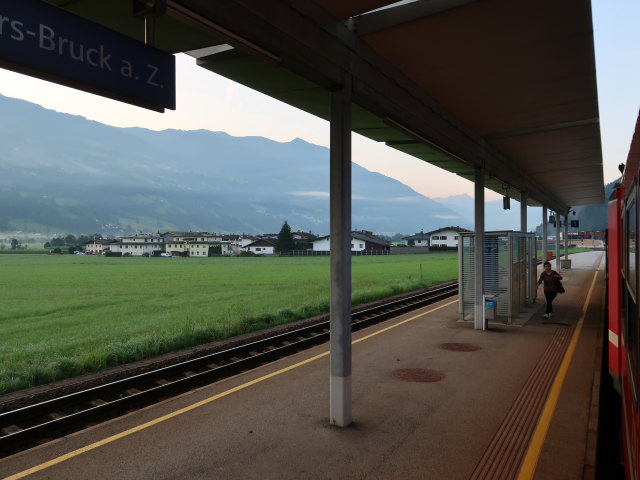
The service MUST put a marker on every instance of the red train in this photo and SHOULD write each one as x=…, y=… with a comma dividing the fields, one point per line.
x=623, y=284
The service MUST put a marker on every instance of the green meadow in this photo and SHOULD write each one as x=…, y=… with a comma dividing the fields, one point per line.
x=64, y=315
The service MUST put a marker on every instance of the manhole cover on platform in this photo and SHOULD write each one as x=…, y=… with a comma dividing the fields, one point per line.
x=459, y=347
x=418, y=375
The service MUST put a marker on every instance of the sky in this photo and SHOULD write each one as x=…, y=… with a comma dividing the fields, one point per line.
x=208, y=101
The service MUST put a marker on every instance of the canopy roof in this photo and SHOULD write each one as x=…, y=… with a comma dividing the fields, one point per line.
x=509, y=86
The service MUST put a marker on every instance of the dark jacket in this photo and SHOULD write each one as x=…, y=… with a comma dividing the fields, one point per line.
x=549, y=280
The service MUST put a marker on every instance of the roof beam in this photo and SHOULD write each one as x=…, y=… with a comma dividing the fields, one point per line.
x=305, y=41
x=386, y=18
x=543, y=129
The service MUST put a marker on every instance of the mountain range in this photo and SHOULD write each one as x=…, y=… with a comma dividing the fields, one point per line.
x=64, y=173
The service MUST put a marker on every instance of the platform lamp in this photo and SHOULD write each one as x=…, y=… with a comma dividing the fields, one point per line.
x=506, y=201
x=573, y=223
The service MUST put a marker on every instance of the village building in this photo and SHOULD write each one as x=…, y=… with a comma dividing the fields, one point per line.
x=262, y=246
x=194, y=244
x=418, y=240
x=139, y=244
x=361, y=240
x=446, y=237
x=98, y=246
x=237, y=242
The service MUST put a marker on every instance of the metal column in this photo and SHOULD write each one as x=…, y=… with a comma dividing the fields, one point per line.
x=558, y=254
x=479, y=322
x=545, y=247
x=340, y=225
x=523, y=211
x=566, y=236
x=523, y=229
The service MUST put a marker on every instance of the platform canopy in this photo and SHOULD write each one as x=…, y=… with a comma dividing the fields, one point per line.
x=506, y=85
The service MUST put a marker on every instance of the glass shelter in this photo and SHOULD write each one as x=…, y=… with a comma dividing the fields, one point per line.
x=510, y=270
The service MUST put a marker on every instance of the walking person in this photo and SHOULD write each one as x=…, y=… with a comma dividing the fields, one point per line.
x=550, y=279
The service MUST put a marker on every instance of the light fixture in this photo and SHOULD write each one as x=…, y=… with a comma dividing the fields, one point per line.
x=506, y=201
x=230, y=37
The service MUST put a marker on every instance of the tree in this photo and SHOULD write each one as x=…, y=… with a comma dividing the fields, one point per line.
x=14, y=244
x=57, y=242
x=285, y=239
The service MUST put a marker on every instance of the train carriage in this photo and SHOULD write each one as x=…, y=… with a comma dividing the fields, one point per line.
x=623, y=285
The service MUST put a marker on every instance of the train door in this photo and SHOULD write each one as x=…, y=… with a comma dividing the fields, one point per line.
x=614, y=281
x=629, y=345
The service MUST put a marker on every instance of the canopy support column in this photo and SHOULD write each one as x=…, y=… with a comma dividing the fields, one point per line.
x=545, y=246
x=340, y=246
x=523, y=211
x=558, y=253
x=479, y=322
x=566, y=237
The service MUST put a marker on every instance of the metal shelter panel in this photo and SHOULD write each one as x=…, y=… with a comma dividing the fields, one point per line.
x=509, y=272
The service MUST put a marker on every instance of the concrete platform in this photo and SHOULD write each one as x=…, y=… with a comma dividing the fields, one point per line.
x=272, y=422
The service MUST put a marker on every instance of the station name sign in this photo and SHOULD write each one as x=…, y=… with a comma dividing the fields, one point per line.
x=47, y=42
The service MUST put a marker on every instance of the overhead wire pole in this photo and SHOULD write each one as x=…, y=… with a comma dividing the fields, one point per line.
x=340, y=224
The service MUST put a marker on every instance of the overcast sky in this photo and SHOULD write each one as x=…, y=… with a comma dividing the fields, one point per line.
x=208, y=101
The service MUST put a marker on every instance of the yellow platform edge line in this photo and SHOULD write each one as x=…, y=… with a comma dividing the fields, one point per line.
x=131, y=431
x=530, y=462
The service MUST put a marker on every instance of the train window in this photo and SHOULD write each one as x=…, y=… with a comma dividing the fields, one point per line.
x=630, y=244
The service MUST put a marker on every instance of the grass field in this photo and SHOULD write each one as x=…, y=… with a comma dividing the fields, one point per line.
x=64, y=315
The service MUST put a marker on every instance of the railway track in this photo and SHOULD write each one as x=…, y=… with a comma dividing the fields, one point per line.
x=31, y=425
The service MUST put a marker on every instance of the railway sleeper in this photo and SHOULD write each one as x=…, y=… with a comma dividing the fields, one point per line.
x=10, y=429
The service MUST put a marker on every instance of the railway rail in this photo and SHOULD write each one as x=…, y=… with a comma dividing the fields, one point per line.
x=25, y=427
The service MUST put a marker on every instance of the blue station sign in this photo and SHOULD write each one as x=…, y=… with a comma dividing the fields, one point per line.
x=47, y=42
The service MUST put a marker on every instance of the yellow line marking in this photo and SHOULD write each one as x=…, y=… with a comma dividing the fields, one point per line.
x=534, y=450
x=126, y=433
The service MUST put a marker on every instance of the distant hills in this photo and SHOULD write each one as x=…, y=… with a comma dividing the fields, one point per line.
x=64, y=173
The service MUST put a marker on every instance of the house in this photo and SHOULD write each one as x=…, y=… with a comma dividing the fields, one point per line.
x=98, y=246
x=301, y=236
x=139, y=244
x=236, y=243
x=262, y=246
x=170, y=237
x=194, y=244
x=418, y=240
x=360, y=240
x=446, y=237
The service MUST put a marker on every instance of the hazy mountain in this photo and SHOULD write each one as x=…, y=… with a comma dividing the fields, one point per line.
x=495, y=217
x=64, y=173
